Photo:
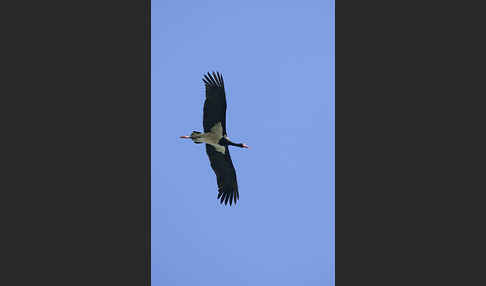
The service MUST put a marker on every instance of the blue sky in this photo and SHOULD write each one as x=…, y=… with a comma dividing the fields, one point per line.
x=276, y=58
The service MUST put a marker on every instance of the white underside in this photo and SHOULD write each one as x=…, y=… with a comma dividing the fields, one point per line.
x=212, y=137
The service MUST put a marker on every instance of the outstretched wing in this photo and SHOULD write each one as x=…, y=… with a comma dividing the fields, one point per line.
x=225, y=174
x=215, y=103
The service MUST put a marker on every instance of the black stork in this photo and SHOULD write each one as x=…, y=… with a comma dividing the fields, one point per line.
x=216, y=139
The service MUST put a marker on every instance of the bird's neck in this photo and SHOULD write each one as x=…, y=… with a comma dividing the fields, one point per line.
x=226, y=141
x=235, y=144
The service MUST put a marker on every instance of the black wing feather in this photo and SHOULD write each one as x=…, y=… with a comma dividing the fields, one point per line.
x=225, y=174
x=215, y=103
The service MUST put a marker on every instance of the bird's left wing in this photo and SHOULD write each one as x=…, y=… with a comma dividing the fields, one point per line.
x=225, y=174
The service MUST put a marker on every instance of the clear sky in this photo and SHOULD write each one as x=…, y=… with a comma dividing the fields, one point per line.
x=276, y=58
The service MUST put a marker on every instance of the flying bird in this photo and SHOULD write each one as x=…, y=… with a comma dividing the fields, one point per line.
x=216, y=139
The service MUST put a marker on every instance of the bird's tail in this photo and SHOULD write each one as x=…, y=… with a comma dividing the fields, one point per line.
x=195, y=136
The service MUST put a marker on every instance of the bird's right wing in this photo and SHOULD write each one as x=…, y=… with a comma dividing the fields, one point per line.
x=225, y=174
x=215, y=103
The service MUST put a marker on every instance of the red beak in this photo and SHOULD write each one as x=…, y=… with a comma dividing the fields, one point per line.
x=185, y=137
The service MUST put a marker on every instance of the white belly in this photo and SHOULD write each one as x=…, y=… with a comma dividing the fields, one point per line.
x=212, y=137
x=218, y=148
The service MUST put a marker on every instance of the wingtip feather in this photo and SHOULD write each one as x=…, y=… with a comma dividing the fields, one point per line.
x=213, y=80
x=226, y=199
